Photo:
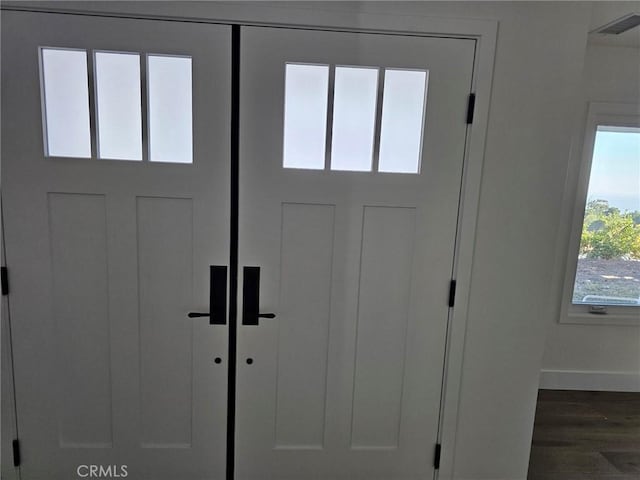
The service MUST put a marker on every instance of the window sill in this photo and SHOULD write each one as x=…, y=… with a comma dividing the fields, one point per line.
x=617, y=317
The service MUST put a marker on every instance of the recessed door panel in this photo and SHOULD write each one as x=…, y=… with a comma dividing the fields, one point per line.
x=80, y=292
x=384, y=296
x=303, y=325
x=165, y=250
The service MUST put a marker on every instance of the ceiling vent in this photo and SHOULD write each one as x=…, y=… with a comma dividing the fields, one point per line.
x=620, y=25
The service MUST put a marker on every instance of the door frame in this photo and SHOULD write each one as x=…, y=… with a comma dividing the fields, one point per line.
x=483, y=31
x=8, y=416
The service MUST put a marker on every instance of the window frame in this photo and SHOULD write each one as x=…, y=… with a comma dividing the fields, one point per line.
x=599, y=114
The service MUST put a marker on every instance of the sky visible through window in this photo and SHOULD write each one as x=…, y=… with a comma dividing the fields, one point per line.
x=615, y=169
x=608, y=271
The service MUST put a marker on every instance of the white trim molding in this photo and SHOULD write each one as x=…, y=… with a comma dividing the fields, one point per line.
x=590, y=380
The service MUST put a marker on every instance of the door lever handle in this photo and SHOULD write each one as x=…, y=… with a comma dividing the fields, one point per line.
x=251, y=297
x=217, y=296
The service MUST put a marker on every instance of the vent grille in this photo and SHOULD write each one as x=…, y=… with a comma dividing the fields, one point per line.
x=620, y=25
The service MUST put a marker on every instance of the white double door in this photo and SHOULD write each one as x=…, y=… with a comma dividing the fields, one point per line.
x=106, y=258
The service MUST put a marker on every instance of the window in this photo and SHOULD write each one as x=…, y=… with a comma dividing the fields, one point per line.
x=117, y=78
x=65, y=102
x=605, y=253
x=65, y=76
x=305, y=116
x=354, y=117
x=170, y=118
x=364, y=136
x=608, y=271
x=405, y=95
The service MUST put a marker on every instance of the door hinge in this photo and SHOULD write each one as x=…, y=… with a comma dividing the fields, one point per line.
x=16, y=453
x=4, y=279
x=471, y=106
x=452, y=293
x=436, y=457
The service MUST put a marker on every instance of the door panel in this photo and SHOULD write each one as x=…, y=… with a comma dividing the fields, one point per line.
x=307, y=259
x=108, y=256
x=166, y=348
x=78, y=244
x=345, y=381
x=383, y=308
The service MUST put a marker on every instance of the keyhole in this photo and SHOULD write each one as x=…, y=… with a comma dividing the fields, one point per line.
x=218, y=360
x=249, y=361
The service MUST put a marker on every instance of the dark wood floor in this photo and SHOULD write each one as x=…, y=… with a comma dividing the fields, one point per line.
x=586, y=436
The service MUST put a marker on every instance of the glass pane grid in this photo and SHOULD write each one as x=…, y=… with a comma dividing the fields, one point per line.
x=117, y=104
x=608, y=266
x=361, y=135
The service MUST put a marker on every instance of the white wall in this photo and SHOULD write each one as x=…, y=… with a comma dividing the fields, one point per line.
x=538, y=68
x=538, y=64
x=595, y=357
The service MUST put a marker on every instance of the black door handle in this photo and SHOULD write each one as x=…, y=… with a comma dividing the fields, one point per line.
x=251, y=297
x=217, y=296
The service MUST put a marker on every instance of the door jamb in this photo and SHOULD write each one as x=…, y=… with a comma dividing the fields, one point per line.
x=8, y=414
x=483, y=31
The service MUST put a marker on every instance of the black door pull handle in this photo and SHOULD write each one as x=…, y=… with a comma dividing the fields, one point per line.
x=217, y=296
x=251, y=297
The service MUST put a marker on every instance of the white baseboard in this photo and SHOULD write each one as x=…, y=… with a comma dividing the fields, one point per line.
x=591, y=381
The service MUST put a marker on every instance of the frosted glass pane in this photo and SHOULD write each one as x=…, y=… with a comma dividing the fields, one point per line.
x=403, y=108
x=170, y=117
x=354, y=118
x=305, y=116
x=118, y=104
x=65, y=90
